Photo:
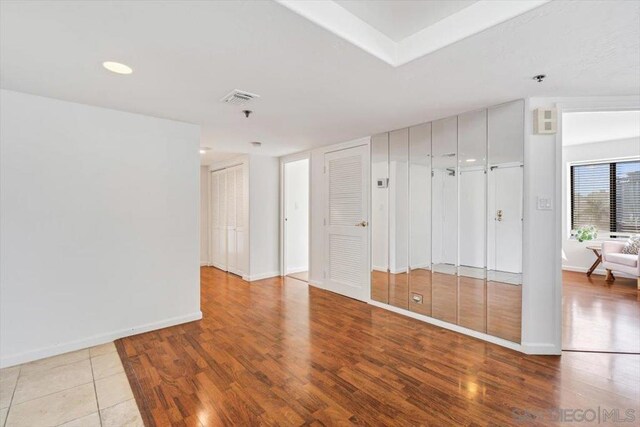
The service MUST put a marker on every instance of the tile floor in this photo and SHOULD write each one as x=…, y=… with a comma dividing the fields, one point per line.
x=84, y=388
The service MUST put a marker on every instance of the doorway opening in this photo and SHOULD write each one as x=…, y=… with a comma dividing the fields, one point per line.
x=296, y=219
x=600, y=215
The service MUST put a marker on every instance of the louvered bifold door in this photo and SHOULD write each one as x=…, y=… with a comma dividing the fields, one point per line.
x=218, y=220
x=346, y=222
x=231, y=221
x=240, y=228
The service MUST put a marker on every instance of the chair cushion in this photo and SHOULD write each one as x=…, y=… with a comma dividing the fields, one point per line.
x=624, y=259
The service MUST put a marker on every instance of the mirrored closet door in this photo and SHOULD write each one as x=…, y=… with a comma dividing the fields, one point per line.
x=380, y=218
x=420, y=219
x=444, y=219
x=447, y=219
x=472, y=253
x=399, y=218
x=504, y=219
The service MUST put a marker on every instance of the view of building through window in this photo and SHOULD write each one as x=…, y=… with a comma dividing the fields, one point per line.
x=606, y=195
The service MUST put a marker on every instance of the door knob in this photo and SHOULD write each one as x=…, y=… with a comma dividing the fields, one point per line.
x=362, y=224
x=499, y=215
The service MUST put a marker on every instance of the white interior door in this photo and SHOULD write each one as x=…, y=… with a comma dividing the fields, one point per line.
x=506, y=184
x=346, y=190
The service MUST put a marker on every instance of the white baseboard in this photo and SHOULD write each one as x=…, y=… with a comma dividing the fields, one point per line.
x=541, y=349
x=316, y=283
x=260, y=276
x=530, y=348
x=297, y=270
x=29, y=356
x=218, y=266
x=450, y=326
x=598, y=271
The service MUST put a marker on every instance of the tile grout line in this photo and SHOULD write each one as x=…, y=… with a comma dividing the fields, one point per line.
x=95, y=389
x=93, y=381
x=36, y=370
x=15, y=387
x=49, y=394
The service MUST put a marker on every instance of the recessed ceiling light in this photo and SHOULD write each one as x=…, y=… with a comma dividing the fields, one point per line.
x=204, y=149
x=117, y=67
x=471, y=160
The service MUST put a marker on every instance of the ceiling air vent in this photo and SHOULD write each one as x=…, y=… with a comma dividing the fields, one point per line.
x=238, y=97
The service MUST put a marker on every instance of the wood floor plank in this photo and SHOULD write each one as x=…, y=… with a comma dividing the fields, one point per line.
x=278, y=352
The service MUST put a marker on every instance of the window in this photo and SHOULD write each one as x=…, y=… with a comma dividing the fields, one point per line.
x=606, y=195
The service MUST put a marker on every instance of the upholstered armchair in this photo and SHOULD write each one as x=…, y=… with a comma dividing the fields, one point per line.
x=614, y=260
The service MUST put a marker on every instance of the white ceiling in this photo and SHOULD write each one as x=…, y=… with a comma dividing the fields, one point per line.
x=399, y=19
x=316, y=88
x=446, y=23
x=584, y=128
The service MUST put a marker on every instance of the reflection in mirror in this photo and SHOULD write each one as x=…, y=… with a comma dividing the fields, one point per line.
x=399, y=218
x=444, y=241
x=472, y=159
x=504, y=219
x=420, y=219
x=380, y=218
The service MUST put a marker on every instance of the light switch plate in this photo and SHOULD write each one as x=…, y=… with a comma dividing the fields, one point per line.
x=543, y=203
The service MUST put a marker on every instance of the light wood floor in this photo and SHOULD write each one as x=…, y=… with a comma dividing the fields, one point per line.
x=279, y=352
x=600, y=316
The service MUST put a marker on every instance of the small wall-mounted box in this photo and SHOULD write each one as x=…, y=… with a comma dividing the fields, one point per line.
x=545, y=121
x=382, y=182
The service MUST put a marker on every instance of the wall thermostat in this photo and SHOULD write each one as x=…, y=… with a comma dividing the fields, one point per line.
x=545, y=121
x=383, y=182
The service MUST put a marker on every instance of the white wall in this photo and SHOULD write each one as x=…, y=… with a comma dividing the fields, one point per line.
x=204, y=215
x=579, y=258
x=264, y=217
x=99, y=225
x=296, y=207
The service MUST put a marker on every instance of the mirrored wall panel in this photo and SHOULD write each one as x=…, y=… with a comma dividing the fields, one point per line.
x=420, y=219
x=444, y=219
x=505, y=219
x=380, y=218
x=399, y=218
x=447, y=219
x=472, y=232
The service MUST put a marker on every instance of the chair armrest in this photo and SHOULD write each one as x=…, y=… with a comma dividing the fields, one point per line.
x=611, y=247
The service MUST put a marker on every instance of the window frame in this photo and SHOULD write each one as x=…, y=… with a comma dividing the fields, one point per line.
x=612, y=195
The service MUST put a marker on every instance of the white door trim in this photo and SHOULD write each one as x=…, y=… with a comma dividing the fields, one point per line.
x=578, y=105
